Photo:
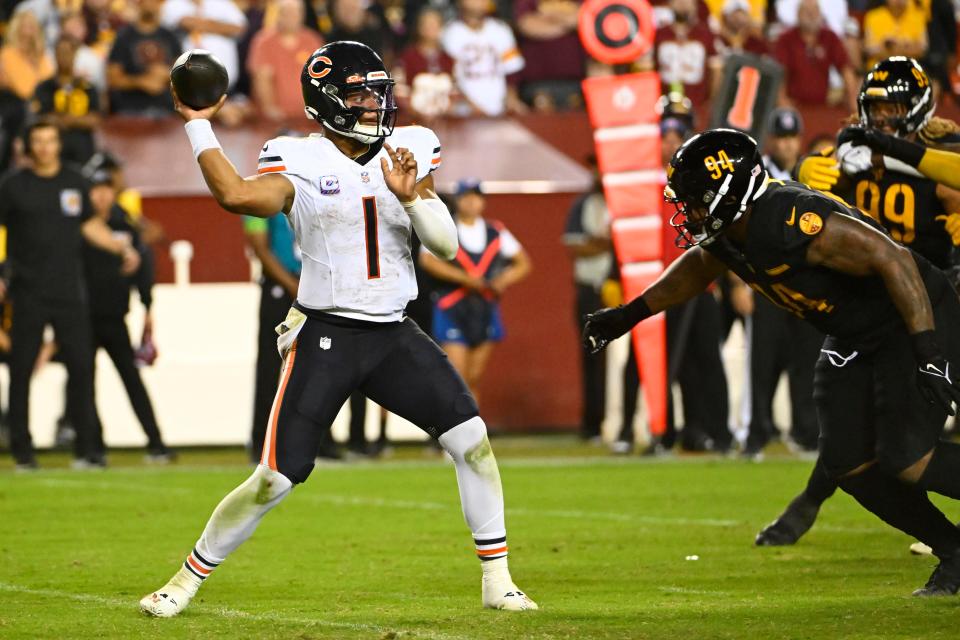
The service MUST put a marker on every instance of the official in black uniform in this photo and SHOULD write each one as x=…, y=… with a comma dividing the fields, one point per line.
x=884, y=383
x=779, y=341
x=109, y=304
x=47, y=212
x=895, y=99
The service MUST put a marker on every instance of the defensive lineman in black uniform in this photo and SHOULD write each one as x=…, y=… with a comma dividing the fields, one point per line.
x=883, y=385
x=895, y=99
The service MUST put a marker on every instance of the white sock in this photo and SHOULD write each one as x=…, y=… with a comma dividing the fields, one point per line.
x=233, y=521
x=481, y=495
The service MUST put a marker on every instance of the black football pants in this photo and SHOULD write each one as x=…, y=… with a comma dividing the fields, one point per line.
x=71, y=325
x=592, y=367
x=781, y=342
x=110, y=333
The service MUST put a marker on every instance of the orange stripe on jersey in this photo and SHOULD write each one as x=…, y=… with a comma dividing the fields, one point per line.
x=269, y=455
x=195, y=565
x=513, y=53
x=491, y=552
x=271, y=169
x=435, y=160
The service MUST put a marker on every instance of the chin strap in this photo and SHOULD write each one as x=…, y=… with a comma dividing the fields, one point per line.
x=370, y=153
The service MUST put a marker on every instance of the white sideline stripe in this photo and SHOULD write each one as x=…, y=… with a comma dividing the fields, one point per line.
x=224, y=612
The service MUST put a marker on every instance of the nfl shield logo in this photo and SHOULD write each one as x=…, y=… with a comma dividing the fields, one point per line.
x=364, y=177
x=325, y=343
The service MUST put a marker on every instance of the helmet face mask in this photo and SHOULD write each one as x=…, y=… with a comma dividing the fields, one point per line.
x=333, y=79
x=711, y=180
x=896, y=96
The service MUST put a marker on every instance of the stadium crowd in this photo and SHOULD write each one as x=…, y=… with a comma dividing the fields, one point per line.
x=79, y=63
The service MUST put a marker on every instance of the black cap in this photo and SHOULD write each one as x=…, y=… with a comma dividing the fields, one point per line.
x=101, y=176
x=785, y=122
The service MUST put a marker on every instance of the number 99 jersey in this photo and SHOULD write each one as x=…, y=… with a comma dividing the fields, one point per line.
x=907, y=207
x=352, y=230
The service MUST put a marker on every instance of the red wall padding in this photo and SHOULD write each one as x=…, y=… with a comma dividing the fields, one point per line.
x=533, y=377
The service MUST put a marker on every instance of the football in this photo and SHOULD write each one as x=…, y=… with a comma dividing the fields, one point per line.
x=199, y=78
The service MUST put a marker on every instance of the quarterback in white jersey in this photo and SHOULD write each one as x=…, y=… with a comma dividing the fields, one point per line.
x=352, y=195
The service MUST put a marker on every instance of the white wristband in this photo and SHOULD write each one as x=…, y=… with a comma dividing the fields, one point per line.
x=413, y=203
x=201, y=136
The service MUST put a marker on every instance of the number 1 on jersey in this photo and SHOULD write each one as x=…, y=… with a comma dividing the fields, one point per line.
x=370, y=235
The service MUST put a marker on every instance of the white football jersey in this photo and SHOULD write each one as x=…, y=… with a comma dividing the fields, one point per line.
x=352, y=230
x=483, y=60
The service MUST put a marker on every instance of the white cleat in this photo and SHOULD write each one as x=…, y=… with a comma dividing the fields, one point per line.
x=920, y=549
x=505, y=596
x=166, y=602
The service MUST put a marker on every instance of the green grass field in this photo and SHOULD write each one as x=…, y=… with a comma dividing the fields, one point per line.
x=380, y=550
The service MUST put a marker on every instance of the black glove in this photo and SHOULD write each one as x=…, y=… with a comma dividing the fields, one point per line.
x=855, y=134
x=936, y=378
x=882, y=143
x=606, y=325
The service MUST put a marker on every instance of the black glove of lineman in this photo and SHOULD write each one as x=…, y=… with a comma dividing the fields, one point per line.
x=606, y=325
x=936, y=378
x=883, y=143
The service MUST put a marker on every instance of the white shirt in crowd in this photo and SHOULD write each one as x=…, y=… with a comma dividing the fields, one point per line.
x=834, y=14
x=222, y=47
x=473, y=238
x=483, y=59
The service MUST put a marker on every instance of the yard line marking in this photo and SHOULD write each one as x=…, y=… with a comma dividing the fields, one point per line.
x=225, y=612
x=519, y=511
x=342, y=500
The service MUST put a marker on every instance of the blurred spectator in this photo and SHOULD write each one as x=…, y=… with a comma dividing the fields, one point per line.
x=47, y=13
x=88, y=63
x=807, y=53
x=70, y=102
x=138, y=74
x=684, y=54
x=24, y=62
x=899, y=28
x=276, y=59
x=103, y=23
x=756, y=13
x=109, y=290
x=835, y=14
x=737, y=33
x=424, y=72
x=941, y=56
x=587, y=238
x=466, y=312
x=354, y=20
x=486, y=60
x=555, y=60
x=214, y=25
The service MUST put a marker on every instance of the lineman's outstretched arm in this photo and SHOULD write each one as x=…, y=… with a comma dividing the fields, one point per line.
x=261, y=196
x=682, y=280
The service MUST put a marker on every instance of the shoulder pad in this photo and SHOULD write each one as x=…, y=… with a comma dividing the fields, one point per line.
x=424, y=144
x=286, y=154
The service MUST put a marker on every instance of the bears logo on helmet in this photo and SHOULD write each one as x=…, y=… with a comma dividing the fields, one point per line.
x=338, y=69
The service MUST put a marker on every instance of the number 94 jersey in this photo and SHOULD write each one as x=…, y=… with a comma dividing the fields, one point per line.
x=352, y=231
